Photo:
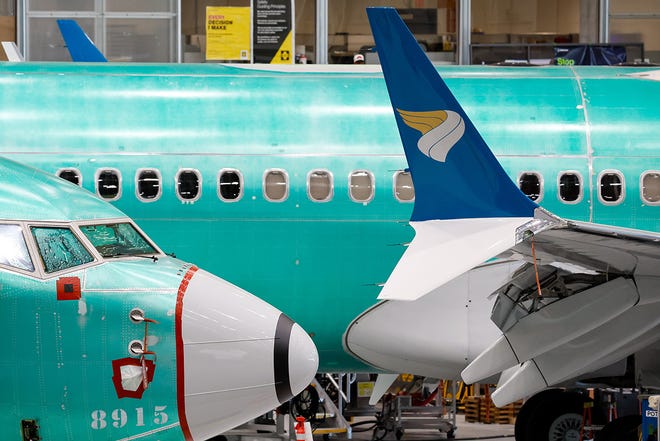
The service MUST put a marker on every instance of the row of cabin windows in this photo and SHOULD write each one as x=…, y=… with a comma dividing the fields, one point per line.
x=611, y=187
x=320, y=185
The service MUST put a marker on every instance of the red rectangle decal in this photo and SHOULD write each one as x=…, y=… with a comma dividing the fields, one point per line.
x=68, y=288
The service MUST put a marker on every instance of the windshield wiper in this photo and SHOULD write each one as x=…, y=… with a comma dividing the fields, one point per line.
x=142, y=256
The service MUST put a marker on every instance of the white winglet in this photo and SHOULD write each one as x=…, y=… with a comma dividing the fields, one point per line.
x=445, y=249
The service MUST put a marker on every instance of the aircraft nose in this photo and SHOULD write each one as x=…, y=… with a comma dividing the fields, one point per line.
x=300, y=360
x=237, y=356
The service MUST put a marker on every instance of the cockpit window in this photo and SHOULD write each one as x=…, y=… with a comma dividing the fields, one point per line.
x=116, y=240
x=13, y=250
x=60, y=249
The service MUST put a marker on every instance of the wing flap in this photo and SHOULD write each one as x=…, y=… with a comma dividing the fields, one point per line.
x=557, y=324
x=598, y=304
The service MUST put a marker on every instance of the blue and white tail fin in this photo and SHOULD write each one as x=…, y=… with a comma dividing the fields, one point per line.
x=467, y=210
x=80, y=46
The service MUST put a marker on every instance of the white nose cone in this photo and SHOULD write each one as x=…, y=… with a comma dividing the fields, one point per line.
x=241, y=357
x=303, y=360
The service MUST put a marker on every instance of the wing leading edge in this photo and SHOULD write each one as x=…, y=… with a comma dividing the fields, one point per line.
x=587, y=295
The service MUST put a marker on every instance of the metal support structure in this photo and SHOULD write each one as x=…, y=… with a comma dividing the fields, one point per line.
x=454, y=391
x=352, y=378
x=178, y=36
x=321, y=31
x=604, y=21
x=340, y=392
x=464, y=36
x=590, y=21
x=406, y=416
x=342, y=425
x=100, y=27
x=21, y=28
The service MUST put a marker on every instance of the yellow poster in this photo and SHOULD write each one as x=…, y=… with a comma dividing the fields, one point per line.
x=227, y=33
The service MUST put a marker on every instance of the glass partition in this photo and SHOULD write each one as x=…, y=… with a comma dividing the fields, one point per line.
x=123, y=30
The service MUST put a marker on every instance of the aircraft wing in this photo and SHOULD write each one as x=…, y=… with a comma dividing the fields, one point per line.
x=586, y=298
x=587, y=295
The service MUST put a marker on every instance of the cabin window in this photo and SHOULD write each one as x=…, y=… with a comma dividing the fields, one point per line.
x=230, y=185
x=319, y=185
x=570, y=187
x=276, y=185
x=188, y=185
x=13, y=249
x=60, y=249
x=650, y=185
x=148, y=184
x=70, y=174
x=108, y=184
x=531, y=184
x=611, y=187
x=403, y=186
x=361, y=186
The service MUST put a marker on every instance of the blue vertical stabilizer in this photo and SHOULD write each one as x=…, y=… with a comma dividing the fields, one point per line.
x=456, y=176
x=80, y=46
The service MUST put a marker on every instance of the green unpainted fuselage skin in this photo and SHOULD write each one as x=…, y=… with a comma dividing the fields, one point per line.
x=53, y=342
x=54, y=349
x=320, y=263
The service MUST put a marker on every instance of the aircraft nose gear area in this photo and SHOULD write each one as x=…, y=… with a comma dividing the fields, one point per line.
x=237, y=356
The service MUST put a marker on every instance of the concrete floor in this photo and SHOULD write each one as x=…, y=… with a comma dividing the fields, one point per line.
x=464, y=431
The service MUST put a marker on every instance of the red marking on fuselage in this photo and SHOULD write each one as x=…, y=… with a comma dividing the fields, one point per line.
x=180, y=378
x=116, y=377
x=68, y=288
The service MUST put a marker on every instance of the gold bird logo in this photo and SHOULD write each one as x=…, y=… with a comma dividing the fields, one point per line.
x=440, y=129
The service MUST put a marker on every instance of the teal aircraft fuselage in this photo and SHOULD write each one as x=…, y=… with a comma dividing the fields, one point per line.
x=290, y=228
